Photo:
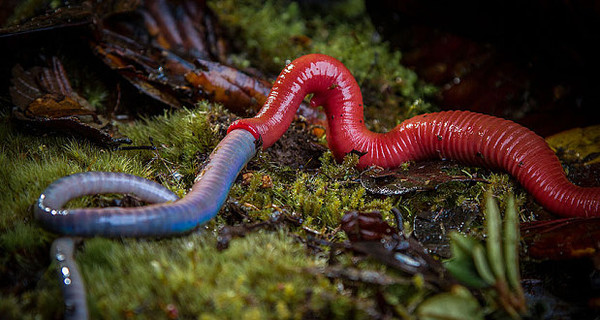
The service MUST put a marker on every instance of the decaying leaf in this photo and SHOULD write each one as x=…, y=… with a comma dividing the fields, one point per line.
x=229, y=86
x=371, y=235
x=560, y=239
x=45, y=101
x=418, y=177
x=154, y=48
x=174, y=52
x=366, y=226
x=170, y=51
x=578, y=144
x=156, y=73
x=76, y=13
x=188, y=28
x=167, y=50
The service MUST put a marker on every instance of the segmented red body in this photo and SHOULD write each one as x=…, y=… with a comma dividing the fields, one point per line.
x=469, y=137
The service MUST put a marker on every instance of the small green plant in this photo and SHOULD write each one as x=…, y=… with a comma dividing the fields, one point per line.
x=492, y=268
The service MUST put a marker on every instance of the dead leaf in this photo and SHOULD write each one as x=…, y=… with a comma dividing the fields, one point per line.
x=561, y=239
x=422, y=176
x=578, y=144
x=46, y=102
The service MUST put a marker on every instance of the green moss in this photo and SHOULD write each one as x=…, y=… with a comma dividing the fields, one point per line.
x=96, y=95
x=321, y=198
x=258, y=277
x=29, y=164
x=344, y=32
x=258, y=41
x=182, y=141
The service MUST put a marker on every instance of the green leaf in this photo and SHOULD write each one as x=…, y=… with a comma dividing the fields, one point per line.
x=482, y=265
x=461, y=245
x=462, y=266
x=511, y=245
x=494, y=240
x=456, y=304
x=464, y=271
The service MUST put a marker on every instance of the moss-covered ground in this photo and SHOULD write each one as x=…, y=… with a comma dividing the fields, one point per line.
x=266, y=274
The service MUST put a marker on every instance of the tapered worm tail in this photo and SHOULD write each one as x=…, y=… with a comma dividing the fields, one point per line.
x=167, y=216
x=465, y=136
x=71, y=283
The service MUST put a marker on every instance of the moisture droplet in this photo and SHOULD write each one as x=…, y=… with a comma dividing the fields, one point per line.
x=189, y=246
x=60, y=257
x=177, y=176
x=407, y=260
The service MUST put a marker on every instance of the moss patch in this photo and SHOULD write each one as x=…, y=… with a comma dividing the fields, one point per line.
x=258, y=277
x=269, y=34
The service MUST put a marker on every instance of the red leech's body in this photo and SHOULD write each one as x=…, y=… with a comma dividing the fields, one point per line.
x=469, y=137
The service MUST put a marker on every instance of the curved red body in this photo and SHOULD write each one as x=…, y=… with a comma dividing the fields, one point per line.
x=469, y=137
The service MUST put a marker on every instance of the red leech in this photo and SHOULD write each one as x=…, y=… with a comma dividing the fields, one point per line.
x=469, y=137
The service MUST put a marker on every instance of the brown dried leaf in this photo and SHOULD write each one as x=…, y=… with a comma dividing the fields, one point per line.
x=560, y=239
x=71, y=15
x=418, y=177
x=46, y=92
x=237, y=91
x=170, y=53
x=578, y=144
x=371, y=235
x=156, y=73
x=45, y=101
x=188, y=28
